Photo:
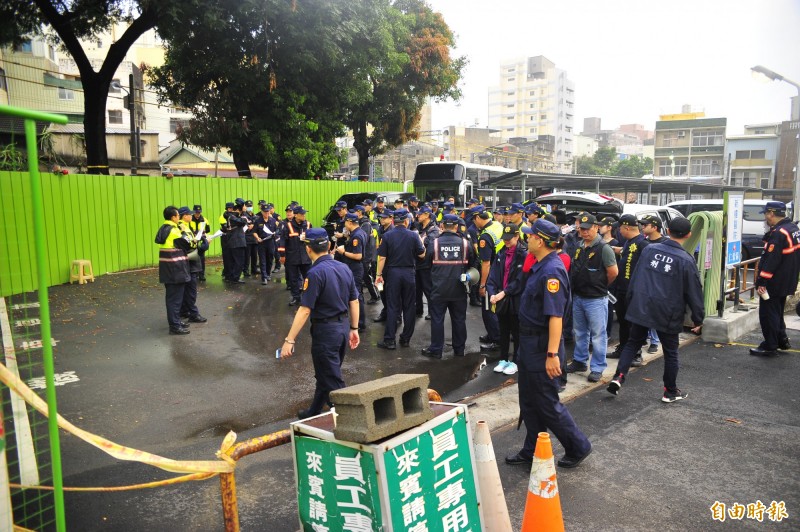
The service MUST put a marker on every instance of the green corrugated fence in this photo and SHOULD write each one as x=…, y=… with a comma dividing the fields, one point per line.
x=112, y=220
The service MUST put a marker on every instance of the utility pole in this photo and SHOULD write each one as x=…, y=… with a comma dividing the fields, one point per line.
x=132, y=113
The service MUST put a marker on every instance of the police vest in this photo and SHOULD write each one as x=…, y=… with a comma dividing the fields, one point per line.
x=173, y=265
x=587, y=274
x=450, y=260
x=495, y=230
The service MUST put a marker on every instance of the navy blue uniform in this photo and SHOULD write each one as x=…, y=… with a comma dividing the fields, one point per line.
x=202, y=246
x=236, y=244
x=546, y=294
x=628, y=259
x=297, y=261
x=664, y=282
x=400, y=249
x=486, y=252
x=777, y=271
x=452, y=256
x=355, y=243
x=423, y=272
x=327, y=290
x=265, y=229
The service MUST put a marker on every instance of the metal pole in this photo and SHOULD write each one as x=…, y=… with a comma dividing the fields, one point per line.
x=39, y=239
x=131, y=113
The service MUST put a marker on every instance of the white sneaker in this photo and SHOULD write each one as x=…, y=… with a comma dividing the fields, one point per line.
x=501, y=366
x=511, y=368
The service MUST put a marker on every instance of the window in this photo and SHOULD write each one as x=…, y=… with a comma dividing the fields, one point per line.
x=751, y=154
x=764, y=183
x=532, y=93
x=3, y=82
x=510, y=93
x=510, y=70
x=532, y=130
x=24, y=47
x=114, y=116
x=510, y=105
x=99, y=43
x=65, y=94
x=751, y=213
x=51, y=53
x=543, y=117
x=710, y=137
x=511, y=79
x=114, y=88
x=532, y=106
x=760, y=132
x=176, y=123
x=681, y=166
x=665, y=167
x=705, y=167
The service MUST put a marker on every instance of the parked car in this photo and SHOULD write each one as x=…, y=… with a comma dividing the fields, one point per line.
x=752, y=221
x=575, y=201
x=357, y=198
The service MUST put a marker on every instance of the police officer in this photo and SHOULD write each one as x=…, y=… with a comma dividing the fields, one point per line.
x=543, y=304
x=380, y=205
x=251, y=254
x=629, y=255
x=227, y=259
x=397, y=256
x=428, y=231
x=236, y=243
x=777, y=277
x=664, y=282
x=370, y=248
x=189, y=304
x=352, y=254
x=173, y=267
x=264, y=229
x=413, y=205
x=386, y=224
x=451, y=257
x=489, y=243
x=370, y=213
x=329, y=292
x=533, y=211
x=293, y=252
x=651, y=227
x=339, y=238
x=198, y=225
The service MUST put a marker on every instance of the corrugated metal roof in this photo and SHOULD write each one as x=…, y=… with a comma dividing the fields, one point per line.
x=78, y=129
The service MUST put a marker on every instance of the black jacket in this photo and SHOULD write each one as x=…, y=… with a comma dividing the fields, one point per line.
x=516, y=279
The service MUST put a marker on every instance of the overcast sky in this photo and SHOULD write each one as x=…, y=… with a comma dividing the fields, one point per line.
x=632, y=60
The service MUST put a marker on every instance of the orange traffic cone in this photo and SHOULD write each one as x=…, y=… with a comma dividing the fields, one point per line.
x=543, y=507
x=493, y=500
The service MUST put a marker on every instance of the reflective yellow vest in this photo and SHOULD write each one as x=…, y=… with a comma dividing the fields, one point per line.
x=495, y=230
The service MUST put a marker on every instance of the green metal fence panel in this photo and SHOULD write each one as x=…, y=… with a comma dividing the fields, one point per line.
x=112, y=220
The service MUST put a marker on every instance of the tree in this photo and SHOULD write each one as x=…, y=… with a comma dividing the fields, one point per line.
x=270, y=80
x=75, y=20
x=408, y=63
x=634, y=166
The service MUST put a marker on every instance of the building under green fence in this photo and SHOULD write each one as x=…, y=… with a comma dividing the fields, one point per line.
x=112, y=220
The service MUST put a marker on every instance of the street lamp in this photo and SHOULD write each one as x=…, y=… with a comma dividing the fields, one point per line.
x=763, y=72
x=132, y=112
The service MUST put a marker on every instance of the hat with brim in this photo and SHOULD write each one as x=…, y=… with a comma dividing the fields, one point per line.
x=316, y=236
x=510, y=231
x=776, y=207
x=586, y=221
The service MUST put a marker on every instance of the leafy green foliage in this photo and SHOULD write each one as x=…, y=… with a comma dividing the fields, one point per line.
x=605, y=162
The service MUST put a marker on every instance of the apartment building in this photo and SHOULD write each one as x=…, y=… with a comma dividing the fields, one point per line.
x=535, y=98
x=751, y=157
x=688, y=145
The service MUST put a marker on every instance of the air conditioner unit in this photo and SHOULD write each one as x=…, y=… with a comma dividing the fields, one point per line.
x=681, y=134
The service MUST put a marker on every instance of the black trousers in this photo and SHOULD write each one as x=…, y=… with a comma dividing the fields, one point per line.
x=202, y=254
x=424, y=286
x=539, y=404
x=400, y=290
x=295, y=274
x=237, y=263
x=358, y=277
x=458, y=324
x=669, y=345
x=189, y=304
x=251, y=259
x=174, y=300
x=621, y=307
x=266, y=251
x=770, y=315
x=328, y=345
x=368, y=280
x=509, y=330
x=227, y=258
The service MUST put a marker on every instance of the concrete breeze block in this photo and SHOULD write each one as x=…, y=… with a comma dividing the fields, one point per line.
x=374, y=410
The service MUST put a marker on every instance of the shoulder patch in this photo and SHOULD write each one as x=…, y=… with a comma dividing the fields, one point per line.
x=771, y=247
x=483, y=243
x=305, y=284
x=355, y=241
x=553, y=285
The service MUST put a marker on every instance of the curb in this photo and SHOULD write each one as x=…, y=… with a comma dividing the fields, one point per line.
x=500, y=406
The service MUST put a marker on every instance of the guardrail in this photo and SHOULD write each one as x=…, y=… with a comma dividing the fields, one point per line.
x=737, y=282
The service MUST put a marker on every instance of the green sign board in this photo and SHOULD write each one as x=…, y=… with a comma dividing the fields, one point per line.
x=420, y=480
x=337, y=487
x=431, y=481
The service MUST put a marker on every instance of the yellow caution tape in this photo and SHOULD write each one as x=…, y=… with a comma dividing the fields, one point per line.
x=119, y=452
x=157, y=484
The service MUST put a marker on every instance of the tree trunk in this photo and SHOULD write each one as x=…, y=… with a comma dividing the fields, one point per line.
x=94, y=126
x=242, y=163
x=361, y=144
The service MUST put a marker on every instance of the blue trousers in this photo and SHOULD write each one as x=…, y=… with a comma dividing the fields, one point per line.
x=328, y=346
x=265, y=254
x=189, y=303
x=458, y=323
x=539, y=404
x=770, y=316
x=174, y=300
x=400, y=289
x=295, y=275
x=358, y=277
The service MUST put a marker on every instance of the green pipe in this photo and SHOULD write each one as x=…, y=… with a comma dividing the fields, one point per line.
x=44, y=303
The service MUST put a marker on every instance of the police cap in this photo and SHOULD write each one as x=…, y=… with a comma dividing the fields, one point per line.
x=385, y=214
x=264, y=207
x=424, y=210
x=198, y=209
x=316, y=236
x=340, y=205
x=239, y=201
x=776, y=207
x=248, y=203
x=229, y=205
x=184, y=211
x=629, y=220
x=472, y=201
x=477, y=209
x=510, y=231
x=516, y=208
x=351, y=217
x=586, y=220
x=413, y=198
x=531, y=208
x=400, y=214
x=450, y=219
x=679, y=227
x=547, y=231
x=367, y=202
x=359, y=208
x=608, y=220
x=298, y=209
x=651, y=219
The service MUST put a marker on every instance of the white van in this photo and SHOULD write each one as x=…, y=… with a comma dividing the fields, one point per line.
x=752, y=226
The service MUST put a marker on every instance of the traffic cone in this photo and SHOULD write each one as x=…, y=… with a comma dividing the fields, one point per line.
x=493, y=500
x=543, y=507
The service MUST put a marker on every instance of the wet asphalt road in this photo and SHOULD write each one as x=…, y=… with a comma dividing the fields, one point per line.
x=143, y=388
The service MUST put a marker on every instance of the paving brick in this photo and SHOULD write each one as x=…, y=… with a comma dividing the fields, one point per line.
x=374, y=410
